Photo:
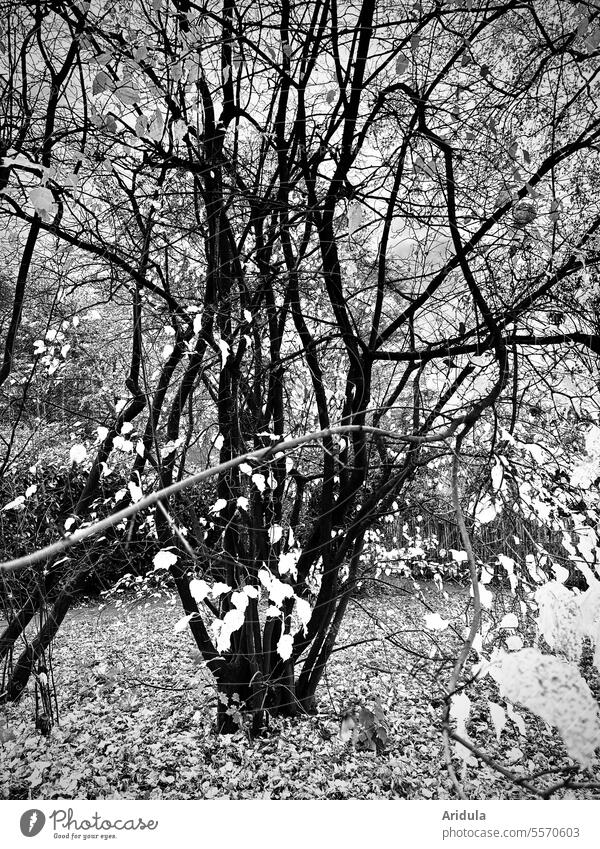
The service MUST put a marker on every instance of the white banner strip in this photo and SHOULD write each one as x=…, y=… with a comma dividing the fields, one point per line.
x=295, y=825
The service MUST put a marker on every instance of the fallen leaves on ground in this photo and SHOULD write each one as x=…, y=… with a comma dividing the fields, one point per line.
x=137, y=710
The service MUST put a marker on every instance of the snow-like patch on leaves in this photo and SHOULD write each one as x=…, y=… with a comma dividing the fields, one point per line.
x=554, y=690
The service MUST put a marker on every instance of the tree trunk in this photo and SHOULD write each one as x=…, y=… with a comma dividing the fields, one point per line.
x=23, y=668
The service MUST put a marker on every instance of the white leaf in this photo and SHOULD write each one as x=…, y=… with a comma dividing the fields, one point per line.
x=347, y=727
x=517, y=719
x=157, y=126
x=355, y=214
x=219, y=505
x=485, y=596
x=486, y=510
x=303, y=611
x=278, y=591
x=497, y=476
x=259, y=481
x=179, y=130
x=498, y=715
x=554, y=690
x=42, y=201
x=275, y=533
x=242, y=502
x=197, y=322
x=240, y=600
x=509, y=621
x=285, y=646
x=265, y=578
x=245, y=468
x=31, y=490
x=434, y=622
x=128, y=95
x=135, y=491
x=219, y=588
x=251, y=592
x=460, y=708
x=141, y=126
x=102, y=433
x=182, y=623
x=224, y=351
x=288, y=563
x=514, y=643
x=199, y=589
x=15, y=504
x=219, y=442
x=561, y=574
x=458, y=556
x=77, y=453
x=164, y=558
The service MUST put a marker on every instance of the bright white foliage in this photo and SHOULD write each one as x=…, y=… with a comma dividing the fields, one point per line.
x=566, y=618
x=219, y=505
x=219, y=588
x=275, y=533
x=285, y=646
x=558, y=619
x=434, y=622
x=259, y=481
x=78, y=453
x=288, y=563
x=164, y=558
x=509, y=621
x=498, y=715
x=554, y=690
x=199, y=589
x=460, y=708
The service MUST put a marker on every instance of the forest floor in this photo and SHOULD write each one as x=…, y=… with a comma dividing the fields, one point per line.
x=137, y=711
